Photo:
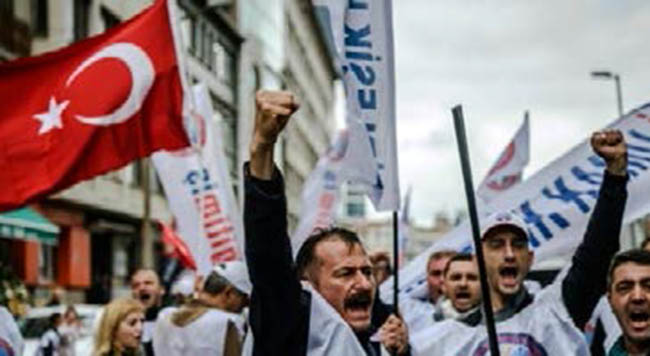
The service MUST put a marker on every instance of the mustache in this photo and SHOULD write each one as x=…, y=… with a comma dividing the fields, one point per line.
x=362, y=299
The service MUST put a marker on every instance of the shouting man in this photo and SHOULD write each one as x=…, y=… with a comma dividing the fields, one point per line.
x=461, y=288
x=330, y=312
x=550, y=321
x=146, y=287
x=628, y=294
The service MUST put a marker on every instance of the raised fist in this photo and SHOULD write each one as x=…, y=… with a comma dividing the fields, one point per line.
x=610, y=145
x=272, y=111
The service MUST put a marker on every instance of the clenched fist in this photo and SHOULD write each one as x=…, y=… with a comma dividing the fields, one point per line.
x=610, y=146
x=394, y=335
x=272, y=111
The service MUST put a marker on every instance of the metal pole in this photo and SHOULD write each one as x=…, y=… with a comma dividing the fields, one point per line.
x=146, y=234
x=619, y=95
x=395, y=262
x=459, y=125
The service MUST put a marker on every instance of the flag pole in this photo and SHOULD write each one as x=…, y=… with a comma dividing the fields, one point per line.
x=459, y=126
x=395, y=262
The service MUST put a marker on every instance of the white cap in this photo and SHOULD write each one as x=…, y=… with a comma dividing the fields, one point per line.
x=236, y=273
x=505, y=218
x=184, y=284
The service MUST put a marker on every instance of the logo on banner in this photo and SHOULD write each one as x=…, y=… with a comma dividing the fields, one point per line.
x=513, y=344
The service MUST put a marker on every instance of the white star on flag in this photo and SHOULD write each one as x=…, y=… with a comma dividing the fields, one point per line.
x=52, y=117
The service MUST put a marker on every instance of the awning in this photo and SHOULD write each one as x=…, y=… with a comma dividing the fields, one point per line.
x=26, y=224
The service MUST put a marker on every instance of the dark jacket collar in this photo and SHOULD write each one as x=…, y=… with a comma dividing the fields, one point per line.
x=513, y=306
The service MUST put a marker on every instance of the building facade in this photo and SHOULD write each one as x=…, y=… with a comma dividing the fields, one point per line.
x=235, y=48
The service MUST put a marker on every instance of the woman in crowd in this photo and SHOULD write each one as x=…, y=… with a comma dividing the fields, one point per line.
x=120, y=329
x=70, y=331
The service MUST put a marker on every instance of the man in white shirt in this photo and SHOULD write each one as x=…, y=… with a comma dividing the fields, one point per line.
x=211, y=325
x=551, y=321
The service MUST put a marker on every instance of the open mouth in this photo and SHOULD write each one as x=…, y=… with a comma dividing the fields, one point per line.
x=509, y=275
x=359, y=303
x=463, y=295
x=145, y=297
x=639, y=319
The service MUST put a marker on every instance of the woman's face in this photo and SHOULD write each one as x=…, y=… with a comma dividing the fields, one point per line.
x=129, y=331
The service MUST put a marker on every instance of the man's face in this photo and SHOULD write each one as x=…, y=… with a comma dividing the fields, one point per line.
x=145, y=287
x=507, y=261
x=435, y=277
x=629, y=296
x=462, y=285
x=344, y=278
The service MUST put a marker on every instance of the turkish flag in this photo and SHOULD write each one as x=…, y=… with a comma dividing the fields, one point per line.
x=89, y=108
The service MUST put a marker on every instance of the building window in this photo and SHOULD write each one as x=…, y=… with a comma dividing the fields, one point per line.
x=39, y=17
x=81, y=19
x=109, y=18
x=47, y=263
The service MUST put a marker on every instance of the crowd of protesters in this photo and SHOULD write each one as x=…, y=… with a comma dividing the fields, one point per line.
x=325, y=300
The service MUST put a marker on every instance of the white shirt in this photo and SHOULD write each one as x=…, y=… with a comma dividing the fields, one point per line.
x=542, y=328
x=10, y=338
x=205, y=336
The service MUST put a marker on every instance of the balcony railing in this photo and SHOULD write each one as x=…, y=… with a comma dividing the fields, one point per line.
x=15, y=36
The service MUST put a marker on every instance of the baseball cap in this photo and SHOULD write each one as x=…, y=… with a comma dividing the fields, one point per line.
x=184, y=284
x=236, y=273
x=505, y=218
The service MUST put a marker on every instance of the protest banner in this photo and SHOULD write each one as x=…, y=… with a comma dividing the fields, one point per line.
x=199, y=190
x=360, y=36
x=555, y=203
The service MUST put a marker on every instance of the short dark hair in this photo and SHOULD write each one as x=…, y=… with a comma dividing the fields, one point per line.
x=468, y=257
x=54, y=319
x=636, y=255
x=307, y=252
x=144, y=269
x=645, y=243
x=440, y=254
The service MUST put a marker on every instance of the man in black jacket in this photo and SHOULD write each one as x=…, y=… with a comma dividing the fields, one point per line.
x=333, y=263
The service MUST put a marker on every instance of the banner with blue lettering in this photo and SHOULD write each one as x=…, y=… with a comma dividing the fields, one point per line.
x=556, y=202
x=199, y=190
x=360, y=35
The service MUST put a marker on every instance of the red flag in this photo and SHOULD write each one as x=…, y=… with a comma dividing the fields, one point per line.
x=89, y=108
x=180, y=249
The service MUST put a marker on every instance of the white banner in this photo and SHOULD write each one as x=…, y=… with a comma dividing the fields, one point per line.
x=360, y=35
x=556, y=202
x=508, y=170
x=199, y=190
x=320, y=194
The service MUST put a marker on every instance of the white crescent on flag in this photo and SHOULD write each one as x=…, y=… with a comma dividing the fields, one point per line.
x=142, y=74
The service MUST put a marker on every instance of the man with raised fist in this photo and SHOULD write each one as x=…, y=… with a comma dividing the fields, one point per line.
x=321, y=304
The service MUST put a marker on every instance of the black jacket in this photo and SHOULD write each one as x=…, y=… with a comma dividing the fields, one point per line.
x=280, y=308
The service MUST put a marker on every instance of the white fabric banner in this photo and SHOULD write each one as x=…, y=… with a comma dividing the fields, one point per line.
x=320, y=194
x=556, y=202
x=199, y=190
x=508, y=170
x=360, y=35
